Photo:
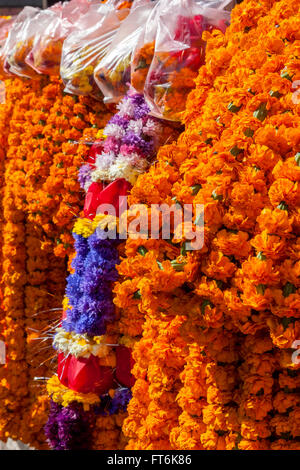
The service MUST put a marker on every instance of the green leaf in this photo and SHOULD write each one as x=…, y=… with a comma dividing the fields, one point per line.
x=248, y=132
x=177, y=266
x=288, y=289
x=286, y=321
x=283, y=206
x=183, y=249
x=260, y=289
x=204, y=304
x=160, y=265
x=141, y=65
x=261, y=112
x=275, y=94
x=297, y=158
x=137, y=295
x=195, y=189
x=286, y=75
x=261, y=256
x=235, y=151
x=142, y=250
x=233, y=108
x=215, y=196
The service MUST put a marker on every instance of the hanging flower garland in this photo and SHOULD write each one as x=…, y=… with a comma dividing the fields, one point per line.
x=32, y=288
x=56, y=139
x=212, y=331
x=16, y=383
x=239, y=158
x=14, y=379
x=87, y=340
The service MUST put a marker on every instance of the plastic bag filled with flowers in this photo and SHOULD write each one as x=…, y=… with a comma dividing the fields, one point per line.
x=112, y=74
x=144, y=51
x=19, y=43
x=178, y=53
x=84, y=48
x=55, y=24
x=6, y=23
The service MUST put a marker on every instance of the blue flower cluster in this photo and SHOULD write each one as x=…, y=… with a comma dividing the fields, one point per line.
x=89, y=288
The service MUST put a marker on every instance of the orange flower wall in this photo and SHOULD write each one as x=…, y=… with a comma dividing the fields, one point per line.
x=43, y=143
x=214, y=329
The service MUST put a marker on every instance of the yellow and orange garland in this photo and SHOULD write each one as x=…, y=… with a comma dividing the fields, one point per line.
x=214, y=342
x=45, y=135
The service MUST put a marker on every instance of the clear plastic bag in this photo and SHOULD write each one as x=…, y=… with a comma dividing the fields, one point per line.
x=73, y=9
x=19, y=43
x=44, y=56
x=179, y=52
x=2, y=92
x=84, y=49
x=5, y=26
x=144, y=51
x=55, y=24
x=112, y=74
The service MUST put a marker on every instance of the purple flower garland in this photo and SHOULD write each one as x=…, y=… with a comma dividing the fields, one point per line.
x=68, y=428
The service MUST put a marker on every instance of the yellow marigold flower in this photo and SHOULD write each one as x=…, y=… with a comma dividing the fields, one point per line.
x=64, y=396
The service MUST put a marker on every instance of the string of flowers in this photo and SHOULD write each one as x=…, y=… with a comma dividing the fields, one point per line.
x=43, y=292
x=88, y=334
x=14, y=374
x=239, y=157
x=32, y=292
x=56, y=139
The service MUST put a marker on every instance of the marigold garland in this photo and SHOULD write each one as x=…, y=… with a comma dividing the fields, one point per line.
x=239, y=156
x=213, y=331
x=36, y=237
x=15, y=374
x=131, y=137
